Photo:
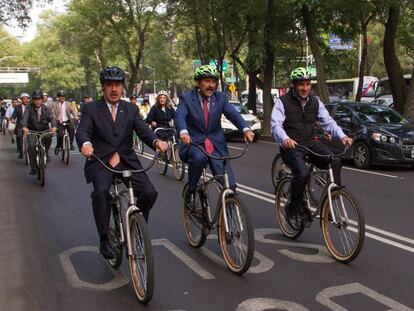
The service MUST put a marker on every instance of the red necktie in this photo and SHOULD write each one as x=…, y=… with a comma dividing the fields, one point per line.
x=115, y=159
x=207, y=143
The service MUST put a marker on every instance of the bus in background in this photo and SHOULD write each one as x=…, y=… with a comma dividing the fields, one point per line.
x=383, y=89
x=346, y=89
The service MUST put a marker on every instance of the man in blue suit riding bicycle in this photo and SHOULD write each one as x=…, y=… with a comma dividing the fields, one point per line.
x=198, y=120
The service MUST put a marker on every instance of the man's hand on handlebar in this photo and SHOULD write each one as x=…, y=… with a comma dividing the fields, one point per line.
x=289, y=144
x=87, y=150
x=185, y=138
x=53, y=130
x=161, y=146
x=347, y=141
x=249, y=136
x=25, y=131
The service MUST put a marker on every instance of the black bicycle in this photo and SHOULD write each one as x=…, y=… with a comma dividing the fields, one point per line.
x=65, y=148
x=172, y=157
x=231, y=217
x=41, y=155
x=134, y=236
x=341, y=217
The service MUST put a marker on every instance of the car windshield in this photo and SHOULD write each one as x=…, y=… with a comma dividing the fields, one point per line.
x=375, y=114
x=240, y=108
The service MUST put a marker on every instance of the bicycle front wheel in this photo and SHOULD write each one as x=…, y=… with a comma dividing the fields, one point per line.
x=178, y=165
x=66, y=148
x=345, y=237
x=282, y=198
x=193, y=221
x=141, y=263
x=41, y=168
x=237, y=245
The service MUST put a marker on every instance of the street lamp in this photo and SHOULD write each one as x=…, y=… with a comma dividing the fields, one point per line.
x=7, y=57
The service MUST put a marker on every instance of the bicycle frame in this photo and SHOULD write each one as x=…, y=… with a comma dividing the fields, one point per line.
x=39, y=144
x=226, y=191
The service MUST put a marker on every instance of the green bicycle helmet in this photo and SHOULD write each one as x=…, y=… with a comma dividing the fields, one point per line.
x=206, y=71
x=300, y=74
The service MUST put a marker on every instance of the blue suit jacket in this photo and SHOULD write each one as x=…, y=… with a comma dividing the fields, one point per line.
x=107, y=137
x=189, y=116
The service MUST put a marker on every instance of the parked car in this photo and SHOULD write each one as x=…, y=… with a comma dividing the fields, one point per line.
x=381, y=135
x=386, y=100
x=231, y=131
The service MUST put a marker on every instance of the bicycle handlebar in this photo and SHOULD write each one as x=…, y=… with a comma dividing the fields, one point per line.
x=323, y=155
x=122, y=172
x=166, y=129
x=225, y=157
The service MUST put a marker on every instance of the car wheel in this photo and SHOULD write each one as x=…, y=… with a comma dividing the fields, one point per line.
x=361, y=155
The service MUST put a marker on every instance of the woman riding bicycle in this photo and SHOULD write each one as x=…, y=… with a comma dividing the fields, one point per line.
x=161, y=114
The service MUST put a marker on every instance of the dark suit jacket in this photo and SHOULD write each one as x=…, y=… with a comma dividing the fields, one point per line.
x=18, y=117
x=107, y=137
x=32, y=123
x=160, y=117
x=189, y=116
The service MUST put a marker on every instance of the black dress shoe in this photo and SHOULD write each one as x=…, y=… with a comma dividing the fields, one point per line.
x=107, y=250
x=32, y=172
x=291, y=216
x=190, y=199
x=13, y=141
x=20, y=156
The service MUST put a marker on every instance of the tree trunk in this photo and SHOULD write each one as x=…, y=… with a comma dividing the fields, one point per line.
x=268, y=68
x=392, y=63
x=319, y=61
x=409, y=105
x=251, y=99
x=364, y=53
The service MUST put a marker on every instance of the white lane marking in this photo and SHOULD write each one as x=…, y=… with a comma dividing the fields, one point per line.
x=371, y=172
x=325, y=297
x=261, y=304
x=72, y=276
x=265, y=264
x=389, y=242
x=234, y=147
x=188, y=261
x=270, y=199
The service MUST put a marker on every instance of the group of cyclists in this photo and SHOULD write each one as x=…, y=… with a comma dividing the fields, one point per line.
x=105, y=128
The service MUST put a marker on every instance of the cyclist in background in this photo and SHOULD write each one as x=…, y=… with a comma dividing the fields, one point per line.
x=161, y=114
x=37, y=118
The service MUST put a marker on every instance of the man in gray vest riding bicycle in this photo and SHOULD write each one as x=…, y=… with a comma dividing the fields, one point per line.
x=293, y=122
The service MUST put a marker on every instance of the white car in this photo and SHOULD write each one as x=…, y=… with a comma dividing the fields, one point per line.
x=231, y=131
x=386, y=100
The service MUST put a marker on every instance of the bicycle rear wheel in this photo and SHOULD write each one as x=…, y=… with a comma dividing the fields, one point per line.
x=282, y=198
x=41, y=163
x=66, y=149
x=193, y=221
x=237, y=245
x=178, y=165
x=115, y=232
x=344, y=239
x=316, y=186
x=141, y=263
x=279, y=169
x=162, y=163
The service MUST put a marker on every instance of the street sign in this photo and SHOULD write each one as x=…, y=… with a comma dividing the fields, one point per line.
x=336, y=43
x=232, y=88
x=197, y=63
x=14, y=78
x=231, y=80
x=312, y=70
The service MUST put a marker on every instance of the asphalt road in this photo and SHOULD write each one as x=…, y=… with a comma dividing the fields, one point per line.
x=49, y=256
